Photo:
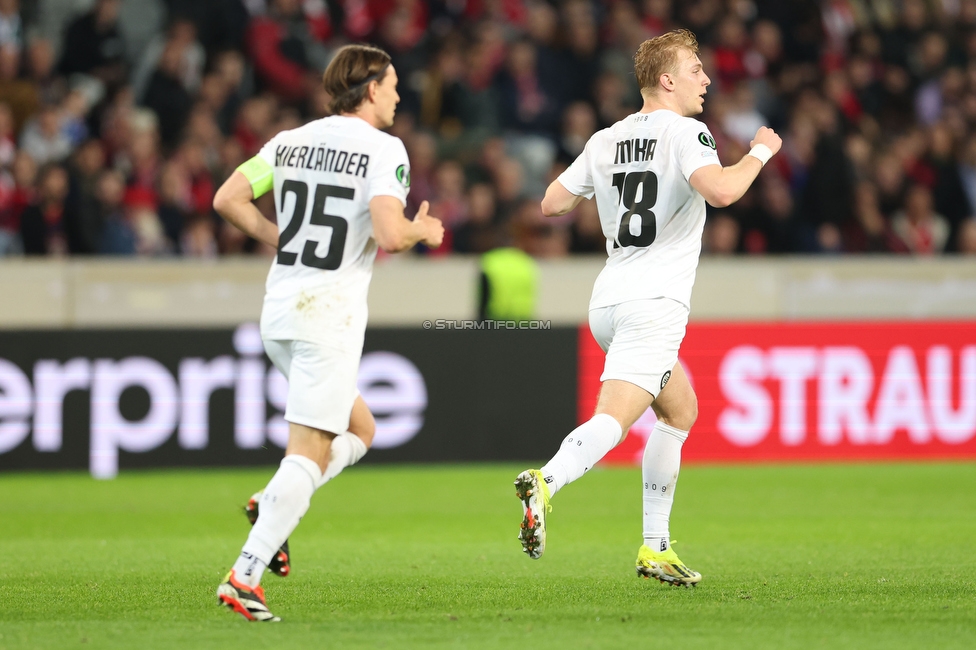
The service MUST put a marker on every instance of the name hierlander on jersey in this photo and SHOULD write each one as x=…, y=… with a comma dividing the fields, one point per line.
x=639, y=171
x=325, y=175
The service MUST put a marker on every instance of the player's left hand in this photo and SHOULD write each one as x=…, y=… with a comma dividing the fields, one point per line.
x=433, y=227
x=768, y=137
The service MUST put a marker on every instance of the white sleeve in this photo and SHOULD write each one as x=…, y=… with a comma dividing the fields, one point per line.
x=267, y=152
x=578, y=178
x=390, y=173
x=695, y=148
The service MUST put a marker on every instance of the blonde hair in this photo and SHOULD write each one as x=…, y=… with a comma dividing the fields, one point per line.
x=659, y=55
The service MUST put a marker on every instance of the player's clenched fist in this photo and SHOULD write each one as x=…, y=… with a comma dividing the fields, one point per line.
x=768, y=137
x=433, y=226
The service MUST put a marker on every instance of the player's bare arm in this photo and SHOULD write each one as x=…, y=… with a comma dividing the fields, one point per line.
x=395, y=233
x=233, y=203
x=723, y=186
x=558, y=200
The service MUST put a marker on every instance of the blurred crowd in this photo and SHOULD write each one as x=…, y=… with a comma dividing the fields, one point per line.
x=118, y=120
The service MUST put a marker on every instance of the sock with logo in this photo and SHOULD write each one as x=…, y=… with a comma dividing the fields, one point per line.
x=346, y=450
x=581, y=450
x=662, y=460
x=283, y=504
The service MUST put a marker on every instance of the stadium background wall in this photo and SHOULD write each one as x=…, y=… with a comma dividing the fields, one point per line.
x=770, y=346
x=110, y=400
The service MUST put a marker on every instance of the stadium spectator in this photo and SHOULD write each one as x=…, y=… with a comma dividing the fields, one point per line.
x=175, y=200
x=586, y=231
x=870, y=231
x=87, y=165
x=93, y=45
x=11, y=26
x=536, y=235
x=527, y=97
x=42, y=224
x=721, y=234
x=8, y=146
x=43, y=138
x=287, y=47
x=966, y=243
x=198, y=238
x=579, y=123
x=181, y=37
x=920, y=228
x=41, y=72
x=221, y=25
x=117, y=236
x=478, y=233
x=19, y=94
x=167, y=96
x=772, y=227
x=882, y=92
x=23, y=173
x=448, y=197
x=582, y=55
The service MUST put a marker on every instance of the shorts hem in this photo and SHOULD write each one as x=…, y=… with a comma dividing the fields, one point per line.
x=317, y=424
x=636, y=380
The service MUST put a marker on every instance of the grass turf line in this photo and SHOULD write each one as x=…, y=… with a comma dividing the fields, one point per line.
x=838, y=556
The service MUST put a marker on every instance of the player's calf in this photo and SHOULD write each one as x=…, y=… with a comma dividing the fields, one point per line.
x=280, y=564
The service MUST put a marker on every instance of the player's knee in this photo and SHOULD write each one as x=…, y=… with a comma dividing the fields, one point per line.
x=682, y=417
x=688, y=415
x=366, y=431
x=692, y=412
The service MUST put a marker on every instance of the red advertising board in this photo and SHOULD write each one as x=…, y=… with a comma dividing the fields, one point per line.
x=817, y=391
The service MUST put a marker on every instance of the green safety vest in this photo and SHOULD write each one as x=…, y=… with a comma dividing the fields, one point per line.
x=512, y=280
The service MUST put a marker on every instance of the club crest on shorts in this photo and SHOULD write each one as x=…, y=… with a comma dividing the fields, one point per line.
x=665, y=378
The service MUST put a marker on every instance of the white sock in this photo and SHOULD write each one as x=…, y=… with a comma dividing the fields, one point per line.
x=346, y=450
x=581, y=450
x=283, y=504
x=662, y=459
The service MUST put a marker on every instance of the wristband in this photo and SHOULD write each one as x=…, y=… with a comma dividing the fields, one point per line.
x=762, y=152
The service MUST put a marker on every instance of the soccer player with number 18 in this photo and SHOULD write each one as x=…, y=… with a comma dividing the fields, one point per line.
x=651, y=174
x=340, y=185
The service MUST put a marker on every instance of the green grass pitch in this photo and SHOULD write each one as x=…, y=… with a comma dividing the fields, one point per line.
x=807, y=556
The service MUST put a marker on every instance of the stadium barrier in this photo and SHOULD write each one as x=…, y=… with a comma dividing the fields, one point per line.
x=109, y=400
x=106, y=400
x=108, y=364
x=817, y=391
x=112, y=293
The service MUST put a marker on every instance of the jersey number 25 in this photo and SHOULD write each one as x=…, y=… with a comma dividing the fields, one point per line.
x=627, y=186
x=340, y=227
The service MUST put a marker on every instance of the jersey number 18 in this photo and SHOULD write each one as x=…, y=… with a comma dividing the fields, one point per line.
x=627, y=186
x=340, y=227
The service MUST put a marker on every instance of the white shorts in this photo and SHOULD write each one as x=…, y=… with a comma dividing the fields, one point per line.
x=641, y=339
x=321, y=383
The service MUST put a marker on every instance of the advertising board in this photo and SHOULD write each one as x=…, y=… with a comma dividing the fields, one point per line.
x=817, y=391
x=106, y=400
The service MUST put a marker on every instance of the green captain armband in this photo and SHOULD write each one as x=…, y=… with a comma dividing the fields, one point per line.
x=259, y=174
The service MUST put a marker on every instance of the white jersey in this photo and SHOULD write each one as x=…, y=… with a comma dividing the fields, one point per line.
x=639, y=170
x=325, y=174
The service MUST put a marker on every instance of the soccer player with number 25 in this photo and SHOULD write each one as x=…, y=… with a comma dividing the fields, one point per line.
x=340, y=186
x=651, y=173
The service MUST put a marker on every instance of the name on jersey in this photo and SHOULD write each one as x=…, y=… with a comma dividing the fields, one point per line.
x=322, y=159
x=637, y=149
